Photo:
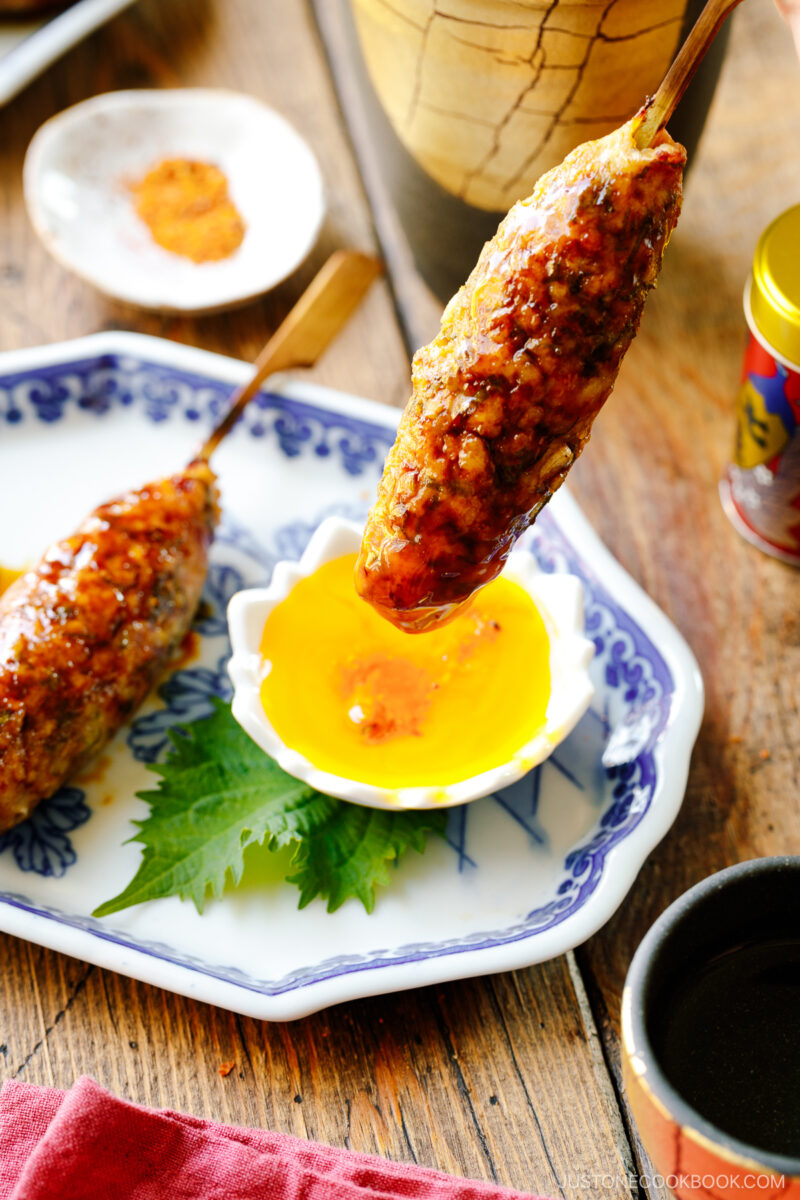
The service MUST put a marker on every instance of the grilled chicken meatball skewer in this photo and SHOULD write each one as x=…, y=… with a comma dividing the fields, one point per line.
x=87, y=632
x=504, y=397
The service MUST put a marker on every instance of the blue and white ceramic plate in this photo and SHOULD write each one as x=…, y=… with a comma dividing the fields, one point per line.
x=522, y=876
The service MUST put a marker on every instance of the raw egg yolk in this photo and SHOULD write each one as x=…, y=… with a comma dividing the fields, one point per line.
x=364, y=700
x=7, y=577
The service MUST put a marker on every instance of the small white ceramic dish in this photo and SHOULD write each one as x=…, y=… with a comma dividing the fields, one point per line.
x=559, y=599
x=81, y=163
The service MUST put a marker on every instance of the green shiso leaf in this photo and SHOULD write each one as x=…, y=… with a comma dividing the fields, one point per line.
x=219, y=793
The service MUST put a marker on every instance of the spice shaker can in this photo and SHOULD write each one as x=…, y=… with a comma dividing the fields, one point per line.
x=760, y=489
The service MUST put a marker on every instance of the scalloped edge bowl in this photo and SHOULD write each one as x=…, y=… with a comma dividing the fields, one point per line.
x=559, y=599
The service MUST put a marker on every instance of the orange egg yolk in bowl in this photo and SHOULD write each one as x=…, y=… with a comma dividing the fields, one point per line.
x=364, y=700
x=359, y=709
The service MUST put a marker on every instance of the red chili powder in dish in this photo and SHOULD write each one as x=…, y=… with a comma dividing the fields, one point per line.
x=188, y=210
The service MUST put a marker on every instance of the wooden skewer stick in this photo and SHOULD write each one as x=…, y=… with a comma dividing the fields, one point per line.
x=660, y=107
x=324, y=307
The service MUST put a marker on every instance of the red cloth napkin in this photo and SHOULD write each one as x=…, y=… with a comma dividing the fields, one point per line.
x=85, y=1143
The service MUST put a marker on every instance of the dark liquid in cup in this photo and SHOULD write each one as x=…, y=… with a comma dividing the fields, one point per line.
x=728, y=1040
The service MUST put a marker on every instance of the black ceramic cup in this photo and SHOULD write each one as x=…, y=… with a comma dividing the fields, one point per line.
x=711, y=1035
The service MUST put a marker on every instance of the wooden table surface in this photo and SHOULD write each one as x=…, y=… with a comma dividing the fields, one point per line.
x=512, y=1078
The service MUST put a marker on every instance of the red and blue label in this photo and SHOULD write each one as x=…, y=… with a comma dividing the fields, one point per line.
x=764, y=477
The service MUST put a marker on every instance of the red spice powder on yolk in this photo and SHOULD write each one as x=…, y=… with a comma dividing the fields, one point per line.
x=387, y=697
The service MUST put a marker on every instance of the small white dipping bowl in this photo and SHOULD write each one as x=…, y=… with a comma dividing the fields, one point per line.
x=559, y=599
x=81, y=163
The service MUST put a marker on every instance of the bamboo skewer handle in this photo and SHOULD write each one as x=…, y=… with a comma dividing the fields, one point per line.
x=660, y=107
x=324, y=307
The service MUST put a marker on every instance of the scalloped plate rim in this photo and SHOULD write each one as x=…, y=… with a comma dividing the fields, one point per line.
x=622, y=862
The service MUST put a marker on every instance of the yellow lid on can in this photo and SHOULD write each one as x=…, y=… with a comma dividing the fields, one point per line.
x=775, y=294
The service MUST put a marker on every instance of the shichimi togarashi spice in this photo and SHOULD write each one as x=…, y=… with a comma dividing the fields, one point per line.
x=187, y=208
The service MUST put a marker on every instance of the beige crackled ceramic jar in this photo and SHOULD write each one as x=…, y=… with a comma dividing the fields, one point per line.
x=482, y=96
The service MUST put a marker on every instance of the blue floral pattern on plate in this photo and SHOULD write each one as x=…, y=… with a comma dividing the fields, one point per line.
x=41, y=843
x=98, y=386
x=610, y=760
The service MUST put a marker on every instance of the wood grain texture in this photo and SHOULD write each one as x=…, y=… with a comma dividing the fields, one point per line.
x=302, y=337
x=497, y=1078
x=649, y=482
x=490, y=1078
x=248, y=46
x=418, y=309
